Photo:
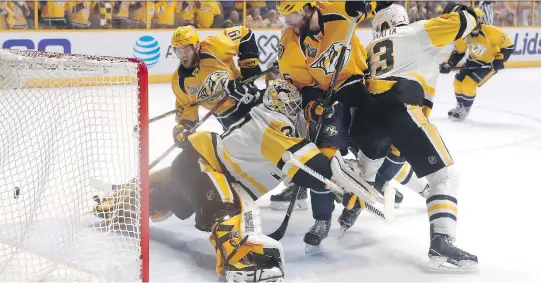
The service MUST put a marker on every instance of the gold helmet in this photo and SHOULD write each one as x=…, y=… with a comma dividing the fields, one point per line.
x=283, y=97
x=185, y=35
x=285, y=8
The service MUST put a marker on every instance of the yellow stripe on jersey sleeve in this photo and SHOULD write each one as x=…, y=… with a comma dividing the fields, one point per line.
x=448, y=28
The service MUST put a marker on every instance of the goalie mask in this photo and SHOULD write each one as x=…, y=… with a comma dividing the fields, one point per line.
x=283, y=97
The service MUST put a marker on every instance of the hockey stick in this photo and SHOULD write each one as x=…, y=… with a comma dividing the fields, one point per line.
x=279, y=233
x=208, y=98
x=288, y=157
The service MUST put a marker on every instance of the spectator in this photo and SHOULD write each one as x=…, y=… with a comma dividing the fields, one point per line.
x=209, y=14
x=7, y=21
x=260, y=4
x=78, y=14
x=273, y=20
x=537, y=13
x=505, y=13
x=254, y=20
x=140, y=12
x=164, y=16
x=20, y=12
x=418, y=12
x=186, y=13
x=233, y=20
x=101, y=16
x=121, y=15
x=525, y=13
x=52, y=14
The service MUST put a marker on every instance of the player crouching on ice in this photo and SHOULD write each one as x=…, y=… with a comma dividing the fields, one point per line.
x=489, y=47
x=235, y=169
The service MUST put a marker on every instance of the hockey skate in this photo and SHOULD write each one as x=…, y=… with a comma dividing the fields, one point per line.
x=265, y=269
x=459, y=113
x=444, y=256
x=349, y=217
x=316, y=234
x=281, y=201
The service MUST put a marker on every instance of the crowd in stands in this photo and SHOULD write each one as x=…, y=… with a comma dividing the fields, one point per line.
x=207, y=14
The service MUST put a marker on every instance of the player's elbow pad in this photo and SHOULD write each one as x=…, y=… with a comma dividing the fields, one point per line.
x=455, y=57
x=507, y=52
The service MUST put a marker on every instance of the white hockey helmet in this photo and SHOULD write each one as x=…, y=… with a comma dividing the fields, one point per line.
x=393, y=15
x=283, y=97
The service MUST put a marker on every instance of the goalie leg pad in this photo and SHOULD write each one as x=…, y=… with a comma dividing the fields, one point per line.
x=369, y=167
x=244, y=253
x=347, y=175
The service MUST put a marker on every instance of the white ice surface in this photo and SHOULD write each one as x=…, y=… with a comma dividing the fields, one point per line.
x=498, y=153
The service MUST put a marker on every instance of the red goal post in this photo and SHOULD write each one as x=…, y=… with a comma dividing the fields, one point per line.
x=66, y=119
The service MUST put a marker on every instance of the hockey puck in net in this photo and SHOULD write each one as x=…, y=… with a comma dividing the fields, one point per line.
x=16, y=192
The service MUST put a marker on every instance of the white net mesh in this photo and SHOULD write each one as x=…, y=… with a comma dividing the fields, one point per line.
x=65, y=120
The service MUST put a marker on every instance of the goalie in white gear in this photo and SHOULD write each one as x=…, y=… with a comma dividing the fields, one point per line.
x=236, y=168
x=404, y=70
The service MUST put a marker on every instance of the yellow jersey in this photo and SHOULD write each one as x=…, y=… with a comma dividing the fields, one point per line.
x=206, y=13
x=186, y=12
x=141, y=10
x=121, y=10
x=7, y=21
x=215, y=65
x=165, y=12
x=78, y=13
x=488, y=45
x=310, y=59
x=20, y=12
x=53, y=10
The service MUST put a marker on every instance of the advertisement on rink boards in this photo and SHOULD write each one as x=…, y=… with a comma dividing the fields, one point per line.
x=153, y=47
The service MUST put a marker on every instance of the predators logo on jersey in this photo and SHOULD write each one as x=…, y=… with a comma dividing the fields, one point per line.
x=328, y=59
x=477, y=49
x=214, y=84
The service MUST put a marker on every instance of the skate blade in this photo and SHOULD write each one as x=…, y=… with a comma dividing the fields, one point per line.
x=310, y=249
x=441, y=264
x=300, y=205
x=341, y=233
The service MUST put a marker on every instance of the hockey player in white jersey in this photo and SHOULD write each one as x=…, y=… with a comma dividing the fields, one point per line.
x=404, y=70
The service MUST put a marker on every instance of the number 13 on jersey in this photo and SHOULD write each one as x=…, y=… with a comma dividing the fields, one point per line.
x=381, y=59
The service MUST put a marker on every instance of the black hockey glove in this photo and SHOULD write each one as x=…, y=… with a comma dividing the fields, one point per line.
x=454, y=7
x=243, y=93
x=498, y=64
x=354, y=8
x=445, y=68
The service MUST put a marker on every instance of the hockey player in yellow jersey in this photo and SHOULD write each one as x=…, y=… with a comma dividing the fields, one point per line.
x=489, y=47
x=404, y=72
x=308, y=53
x=207, y=69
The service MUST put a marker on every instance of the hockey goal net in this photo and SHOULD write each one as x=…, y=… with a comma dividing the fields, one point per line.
x=66, y=120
